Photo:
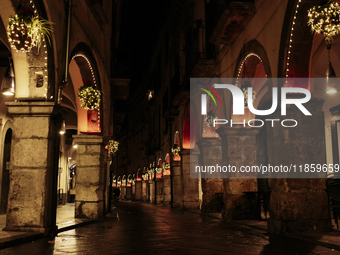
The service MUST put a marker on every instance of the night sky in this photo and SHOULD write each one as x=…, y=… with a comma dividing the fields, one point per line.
x=141, y=25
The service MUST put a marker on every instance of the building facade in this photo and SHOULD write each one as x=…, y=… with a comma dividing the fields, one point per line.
x=231, y=39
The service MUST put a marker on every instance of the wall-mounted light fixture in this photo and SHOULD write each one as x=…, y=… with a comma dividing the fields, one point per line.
x=331, y=86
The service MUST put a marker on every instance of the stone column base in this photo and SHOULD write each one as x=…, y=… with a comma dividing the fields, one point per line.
x=90, y=176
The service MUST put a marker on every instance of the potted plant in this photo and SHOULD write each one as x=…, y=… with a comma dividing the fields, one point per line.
x=26, y=30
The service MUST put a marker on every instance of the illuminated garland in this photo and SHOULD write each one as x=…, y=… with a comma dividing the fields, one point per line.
x=25, y=30
x=245, y=93
x=166, y=166
x=209, y=118
x=113, y=146
x=176, y=150
x=89, y=97
x=129, y=179
x=324, y=19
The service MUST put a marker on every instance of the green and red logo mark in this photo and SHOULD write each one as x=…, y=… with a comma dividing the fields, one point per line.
x=204, y=96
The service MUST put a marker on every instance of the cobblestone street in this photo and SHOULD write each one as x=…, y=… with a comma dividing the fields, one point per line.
x=140, y=228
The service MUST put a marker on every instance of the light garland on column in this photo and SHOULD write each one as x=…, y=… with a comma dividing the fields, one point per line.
x=245, y=94
x=166, y=166
x=176, y=150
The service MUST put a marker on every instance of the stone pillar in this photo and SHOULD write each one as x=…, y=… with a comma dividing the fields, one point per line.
x=177, y=194
x=151, y=191
x=32, y=170
x=128, y=193
x=212, y=188
x=138, y=190
x=298, y=205
x=159, y=191
x=190, y=185
x=144, y=191
x=239, y=148
x=90, y=176
x=147, y=191
x=166, y=190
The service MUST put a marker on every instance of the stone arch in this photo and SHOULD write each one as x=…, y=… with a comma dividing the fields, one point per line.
x=82, y=68
x=119, y=181
x=5, y=159
x=254, y=68
x=129, y=180
x=139, y=175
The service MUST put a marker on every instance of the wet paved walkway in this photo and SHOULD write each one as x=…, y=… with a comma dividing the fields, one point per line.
x=140, y=228
x=65, y=221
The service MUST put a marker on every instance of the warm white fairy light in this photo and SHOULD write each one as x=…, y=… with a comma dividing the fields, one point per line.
x=291, y=39
x=89, y=64
x=243, y=63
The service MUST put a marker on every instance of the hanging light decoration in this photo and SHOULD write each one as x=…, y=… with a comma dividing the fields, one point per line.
x=245, y=94
x=7, y=85
x=150, y=94
x=113, y=146
x=89, y=96
x=26, y=30
x=209, y=118
x=324, y=19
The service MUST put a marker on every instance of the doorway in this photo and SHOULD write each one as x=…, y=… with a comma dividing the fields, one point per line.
x=5, y=171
